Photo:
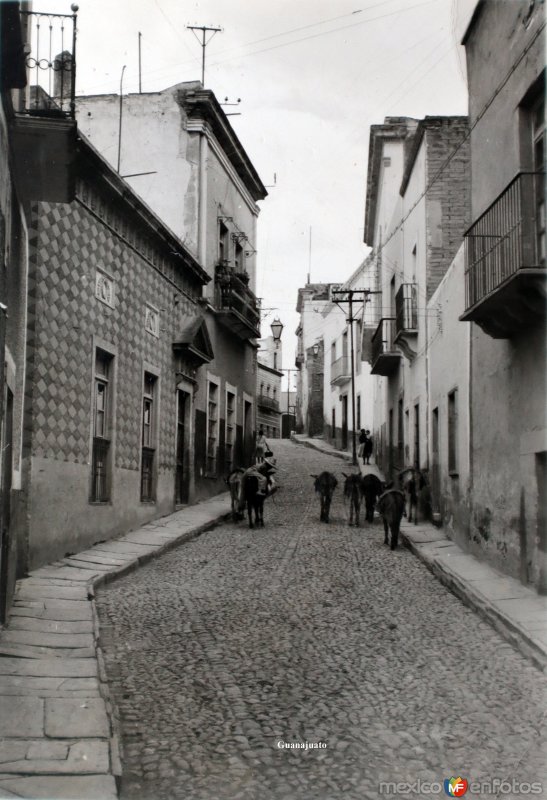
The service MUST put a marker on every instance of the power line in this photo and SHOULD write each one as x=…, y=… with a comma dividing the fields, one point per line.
x=286, y=44
x=326, y=33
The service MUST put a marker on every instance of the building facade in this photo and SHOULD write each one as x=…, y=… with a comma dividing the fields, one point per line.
x=13, y=293
x=268, y=386
x=313, y=300
x=505, y=287
x=204, y=187
x=116, y=337
x=268, y=400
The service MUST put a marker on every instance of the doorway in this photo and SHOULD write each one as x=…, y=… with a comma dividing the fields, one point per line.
x=344, y=399
x=541, y=477
x=248, y=443
x=5, y=509
x=182, y=475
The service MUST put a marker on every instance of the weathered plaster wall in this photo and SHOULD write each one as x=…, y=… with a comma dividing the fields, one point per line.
x=449, y=371
x=153, y=139
x=499, y=37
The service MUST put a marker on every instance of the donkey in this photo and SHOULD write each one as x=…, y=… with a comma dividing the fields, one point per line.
x=391, y=505
x=371, y=488
x=253, y=499
x=234, y=482
x=325, y=484
x=353, y=490
x=414, y=485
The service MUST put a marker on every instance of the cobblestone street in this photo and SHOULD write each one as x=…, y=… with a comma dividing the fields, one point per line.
x=304, y=632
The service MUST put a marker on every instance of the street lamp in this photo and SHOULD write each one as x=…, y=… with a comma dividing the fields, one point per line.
x=315, y=348
x=277, y=329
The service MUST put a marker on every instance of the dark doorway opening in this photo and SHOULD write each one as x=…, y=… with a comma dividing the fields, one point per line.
x=5, y=509
x=182, y=478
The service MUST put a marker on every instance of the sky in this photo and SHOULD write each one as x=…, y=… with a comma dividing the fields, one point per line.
x=312, y=76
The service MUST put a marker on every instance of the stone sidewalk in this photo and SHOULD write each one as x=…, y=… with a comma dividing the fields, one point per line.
x=517, y=612
x=58, y=727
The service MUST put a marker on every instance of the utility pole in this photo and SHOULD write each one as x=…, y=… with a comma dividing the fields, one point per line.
x=204, y=41
x=348, y=297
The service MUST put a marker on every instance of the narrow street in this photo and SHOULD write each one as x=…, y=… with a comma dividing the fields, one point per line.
x=304, y=632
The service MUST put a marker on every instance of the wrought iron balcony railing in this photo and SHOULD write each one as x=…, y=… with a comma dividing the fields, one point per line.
x=266, y=401
x=237, y=304
x=340, y=370
x=385, y=356
x=51, y=63
x=406, y=310
x=503, y=239
x=505, y=259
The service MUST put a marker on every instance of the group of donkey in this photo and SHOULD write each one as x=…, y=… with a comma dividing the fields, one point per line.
x=391, y=501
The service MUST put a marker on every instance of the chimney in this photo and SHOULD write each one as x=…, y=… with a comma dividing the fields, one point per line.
x=62, y=84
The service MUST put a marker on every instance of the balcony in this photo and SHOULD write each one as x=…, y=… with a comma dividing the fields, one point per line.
x=406, y=311
x=237, y=307
x=44, y=126
x=265, y=401
x=340, y=371
x=504, y=270
x=385, y=357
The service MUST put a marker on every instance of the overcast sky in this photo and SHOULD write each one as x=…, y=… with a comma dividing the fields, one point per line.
x=312, y=75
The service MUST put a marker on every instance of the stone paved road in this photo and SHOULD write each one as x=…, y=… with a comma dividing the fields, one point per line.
x=307, y=632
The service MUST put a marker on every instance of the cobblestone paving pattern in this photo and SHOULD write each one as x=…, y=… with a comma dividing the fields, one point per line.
x=309, y=632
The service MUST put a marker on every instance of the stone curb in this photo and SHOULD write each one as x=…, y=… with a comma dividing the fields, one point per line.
x=89, y=587
x=505, y=626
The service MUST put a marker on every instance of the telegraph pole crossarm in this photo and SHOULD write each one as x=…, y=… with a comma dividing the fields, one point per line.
x=204, y=41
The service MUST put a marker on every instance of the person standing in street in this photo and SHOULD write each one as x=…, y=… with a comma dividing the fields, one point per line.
x=367, y=448
x=260, y=447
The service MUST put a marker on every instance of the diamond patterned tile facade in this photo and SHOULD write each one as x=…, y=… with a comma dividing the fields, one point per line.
x=68, y=244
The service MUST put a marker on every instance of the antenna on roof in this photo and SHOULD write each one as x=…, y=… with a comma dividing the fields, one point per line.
x=205, y=29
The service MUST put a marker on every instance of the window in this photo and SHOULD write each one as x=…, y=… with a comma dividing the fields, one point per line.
x=223, y=252
x=102, y=411
x=230, y=429
x=358, y=411
x=333, y=431
x=333, y=353
x=148, y=439
x=400, y=434
x=212, y=428
x=453, y=432
x=275, y=360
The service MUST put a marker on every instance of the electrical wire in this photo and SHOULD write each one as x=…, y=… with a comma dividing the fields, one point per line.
x=162, y=70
